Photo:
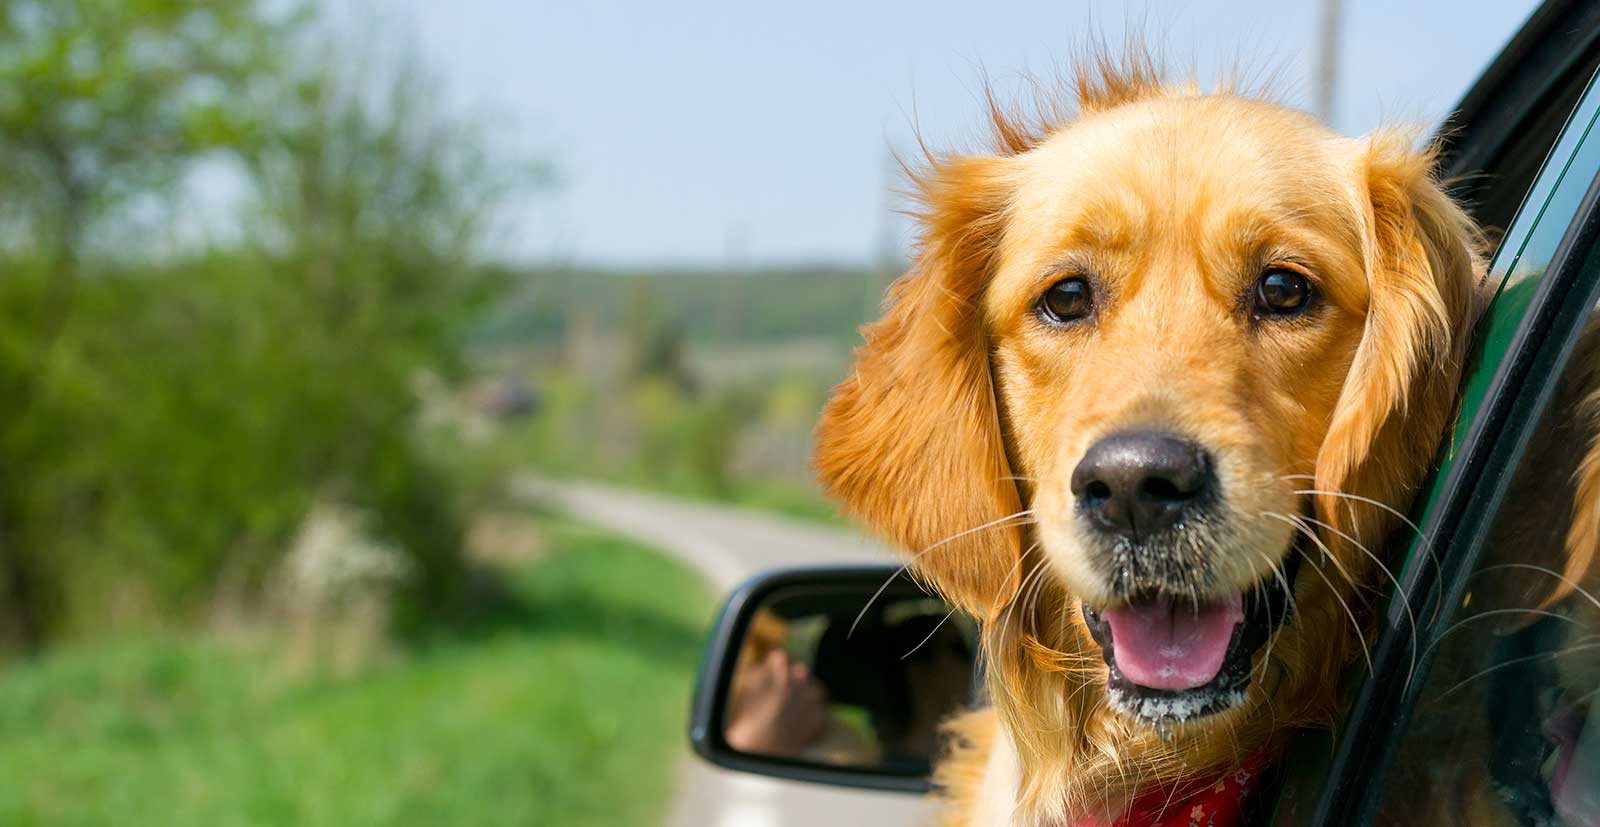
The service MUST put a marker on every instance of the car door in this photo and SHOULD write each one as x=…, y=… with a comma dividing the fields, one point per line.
x=1462, y=717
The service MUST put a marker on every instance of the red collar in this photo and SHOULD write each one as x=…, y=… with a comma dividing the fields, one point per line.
x=1222, y=801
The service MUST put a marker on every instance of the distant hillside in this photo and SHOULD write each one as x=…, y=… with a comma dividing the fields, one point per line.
x=707, y=306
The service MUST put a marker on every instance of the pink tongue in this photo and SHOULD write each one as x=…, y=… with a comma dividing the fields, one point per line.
x=1160, y=645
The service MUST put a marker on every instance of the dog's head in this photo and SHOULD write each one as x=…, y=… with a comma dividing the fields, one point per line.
x=1148, y=396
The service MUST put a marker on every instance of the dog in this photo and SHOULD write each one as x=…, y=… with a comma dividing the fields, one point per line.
x=1167, y=367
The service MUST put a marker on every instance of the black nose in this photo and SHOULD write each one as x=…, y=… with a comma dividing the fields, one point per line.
x=1138, y=484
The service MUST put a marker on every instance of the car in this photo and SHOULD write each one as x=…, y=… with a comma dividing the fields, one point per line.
x=1523, y=149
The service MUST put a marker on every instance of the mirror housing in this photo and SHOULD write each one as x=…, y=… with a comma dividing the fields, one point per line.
x=841, y=648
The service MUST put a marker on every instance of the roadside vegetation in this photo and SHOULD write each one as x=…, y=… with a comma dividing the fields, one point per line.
x=559, y=703
x=253, y=570
x=187, y=378
x=262, y=382
x=197, y=384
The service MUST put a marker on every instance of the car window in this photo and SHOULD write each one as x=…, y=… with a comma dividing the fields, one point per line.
x=1499, y=729
x=1330, y=784
x=1505, y=728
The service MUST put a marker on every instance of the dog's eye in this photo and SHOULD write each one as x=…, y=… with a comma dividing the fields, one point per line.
x=1282, y=293
x=1066, y=300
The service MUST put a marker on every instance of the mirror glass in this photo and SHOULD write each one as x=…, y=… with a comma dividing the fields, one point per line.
x=826, y=674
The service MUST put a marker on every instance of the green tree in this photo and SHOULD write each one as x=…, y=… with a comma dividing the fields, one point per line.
x=167, y=423
x=375, y=208
x=105, y=101
x=101, y=102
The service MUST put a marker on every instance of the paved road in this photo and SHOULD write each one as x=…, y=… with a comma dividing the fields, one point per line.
x=729, y=545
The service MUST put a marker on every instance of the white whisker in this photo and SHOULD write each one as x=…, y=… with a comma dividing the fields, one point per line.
x=1288, y=592
x=1491, y=613
x=1542, y=570
x=1579, y=646
x=936, y=628
x=995, y=603
x=1355, y=624
x=1360, y=499
x=1021, y=516
x=1405, y=602
x=1022, y=590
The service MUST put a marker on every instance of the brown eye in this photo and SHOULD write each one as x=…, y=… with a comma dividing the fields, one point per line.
x=1282, y=293
x=1066, y=301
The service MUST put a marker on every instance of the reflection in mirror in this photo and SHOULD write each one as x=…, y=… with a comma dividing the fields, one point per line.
x=814, y=683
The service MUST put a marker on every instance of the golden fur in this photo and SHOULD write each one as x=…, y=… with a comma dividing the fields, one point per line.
x=962, y=412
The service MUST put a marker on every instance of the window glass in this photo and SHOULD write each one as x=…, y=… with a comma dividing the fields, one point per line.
x=1458, y=761
x=1507, y=727
x=1506, y=730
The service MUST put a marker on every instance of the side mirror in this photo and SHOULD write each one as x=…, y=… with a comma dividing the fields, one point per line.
x=836, y=676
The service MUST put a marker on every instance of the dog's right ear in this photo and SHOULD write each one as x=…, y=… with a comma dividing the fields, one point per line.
x=912, y=441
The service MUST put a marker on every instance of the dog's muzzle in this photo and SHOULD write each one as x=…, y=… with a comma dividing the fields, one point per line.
x=1172, y=659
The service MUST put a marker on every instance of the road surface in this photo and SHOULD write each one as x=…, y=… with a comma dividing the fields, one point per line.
x=728, y=545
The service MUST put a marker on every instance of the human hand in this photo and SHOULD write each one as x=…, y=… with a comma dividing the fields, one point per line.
x=777, y=707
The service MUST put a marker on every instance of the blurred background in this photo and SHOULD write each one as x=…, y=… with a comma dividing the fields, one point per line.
x=366, y=367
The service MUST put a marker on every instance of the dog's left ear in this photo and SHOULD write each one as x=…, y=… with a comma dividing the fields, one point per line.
x=1423, y=262
x=911, y=442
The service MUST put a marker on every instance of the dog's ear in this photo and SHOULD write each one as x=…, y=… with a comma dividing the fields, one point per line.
x=1423, y=261
x=912, y=441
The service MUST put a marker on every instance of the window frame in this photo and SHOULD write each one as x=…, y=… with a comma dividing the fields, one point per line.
x=1521, y=80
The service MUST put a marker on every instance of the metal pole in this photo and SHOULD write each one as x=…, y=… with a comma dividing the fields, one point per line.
x=1327, y=59
x=888, y=253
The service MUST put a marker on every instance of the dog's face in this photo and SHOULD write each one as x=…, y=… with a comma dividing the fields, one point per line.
x=1146, y=362
x=1174, y=308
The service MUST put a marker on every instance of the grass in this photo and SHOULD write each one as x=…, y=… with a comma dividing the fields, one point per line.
x=562, y=706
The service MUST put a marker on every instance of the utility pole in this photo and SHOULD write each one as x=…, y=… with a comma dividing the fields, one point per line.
x=888, y=253
x=1328, y=25
x=887, y=258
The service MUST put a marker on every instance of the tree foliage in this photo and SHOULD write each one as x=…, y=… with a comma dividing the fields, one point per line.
x=105, y=101
x=169, y=423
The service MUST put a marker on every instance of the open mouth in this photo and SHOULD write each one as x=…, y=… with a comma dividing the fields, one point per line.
x=1173, y=659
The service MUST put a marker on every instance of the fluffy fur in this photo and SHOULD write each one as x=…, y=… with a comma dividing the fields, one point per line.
x=962, y=421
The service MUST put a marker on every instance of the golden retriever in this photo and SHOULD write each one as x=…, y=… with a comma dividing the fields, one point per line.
x=1166, y=365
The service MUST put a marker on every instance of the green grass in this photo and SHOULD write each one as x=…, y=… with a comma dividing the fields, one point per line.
x=562, y=706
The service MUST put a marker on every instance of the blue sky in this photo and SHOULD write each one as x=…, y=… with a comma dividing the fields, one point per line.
x=713, y=132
